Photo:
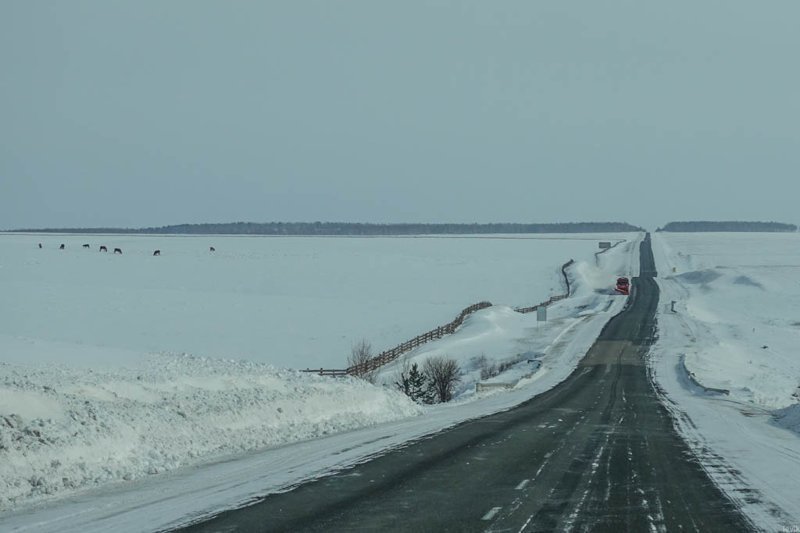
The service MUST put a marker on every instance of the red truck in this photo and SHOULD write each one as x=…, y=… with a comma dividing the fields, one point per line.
x=623, y=286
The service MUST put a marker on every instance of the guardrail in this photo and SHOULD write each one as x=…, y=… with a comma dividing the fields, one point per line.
x=552, y=299
x=604, y=250
x=337, y=373
x=480, y=387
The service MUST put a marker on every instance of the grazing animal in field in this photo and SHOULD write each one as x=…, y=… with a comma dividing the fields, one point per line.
x=86, y=246
x=157, y=252
x=61, y=247
x=103, y=249
x=117, y=250
x=40, y=245
x=212, y=249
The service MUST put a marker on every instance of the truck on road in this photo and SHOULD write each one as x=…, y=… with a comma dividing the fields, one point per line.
x=623, y=286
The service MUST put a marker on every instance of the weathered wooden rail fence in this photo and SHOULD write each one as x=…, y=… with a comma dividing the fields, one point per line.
x=437, y=333
x=604, y=250
x=555, y=298
x=392, y=354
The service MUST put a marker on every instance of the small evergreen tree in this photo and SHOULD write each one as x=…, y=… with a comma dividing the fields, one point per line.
x=414, y=385
x=418, y=387
x=403, y=384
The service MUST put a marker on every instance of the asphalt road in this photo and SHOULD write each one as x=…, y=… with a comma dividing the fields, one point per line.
x=596, y=453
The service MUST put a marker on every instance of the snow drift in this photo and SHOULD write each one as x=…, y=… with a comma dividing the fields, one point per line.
x=729, y=317
x=62, y=429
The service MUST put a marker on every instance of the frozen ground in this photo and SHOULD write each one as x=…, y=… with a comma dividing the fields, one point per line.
x=292, y=302
x=736, y=331
x=95, y=434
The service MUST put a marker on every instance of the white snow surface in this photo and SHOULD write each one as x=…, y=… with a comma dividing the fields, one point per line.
x=293, y=302
x=86, y=420
x=735, y=329
x=62, y=429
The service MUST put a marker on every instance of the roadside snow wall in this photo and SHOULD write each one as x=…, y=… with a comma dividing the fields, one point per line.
x=62, y=430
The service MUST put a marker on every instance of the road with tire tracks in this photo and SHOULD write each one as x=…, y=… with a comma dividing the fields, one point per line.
x=596, y=453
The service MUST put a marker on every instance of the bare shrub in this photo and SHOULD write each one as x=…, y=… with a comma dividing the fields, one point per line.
x=442, y=375
x=360, y=356
x=505, y=365
x=488, y=370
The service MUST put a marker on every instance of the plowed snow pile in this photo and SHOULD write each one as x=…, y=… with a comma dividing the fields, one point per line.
x=730, y=323
x=70, y=429
x=742, y=296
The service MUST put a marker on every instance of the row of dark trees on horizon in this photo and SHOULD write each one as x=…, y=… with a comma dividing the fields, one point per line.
x=355, y=228
x=366, y=229
x=732, y=226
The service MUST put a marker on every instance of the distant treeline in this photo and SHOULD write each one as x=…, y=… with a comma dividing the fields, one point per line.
x=727, y=226
x=348, y=228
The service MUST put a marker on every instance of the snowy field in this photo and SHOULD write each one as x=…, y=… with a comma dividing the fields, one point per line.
x=292, y=302
x=115, y=368
x=729, y=362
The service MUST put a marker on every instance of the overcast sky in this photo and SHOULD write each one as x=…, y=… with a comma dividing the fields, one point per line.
x=149, y=113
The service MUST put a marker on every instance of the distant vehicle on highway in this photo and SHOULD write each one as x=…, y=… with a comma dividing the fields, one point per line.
x=623, y=285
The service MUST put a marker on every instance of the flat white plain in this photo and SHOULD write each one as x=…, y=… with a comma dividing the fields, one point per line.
x=293, y=302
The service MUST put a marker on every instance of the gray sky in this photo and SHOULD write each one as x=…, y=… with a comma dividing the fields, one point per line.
x=150, y=112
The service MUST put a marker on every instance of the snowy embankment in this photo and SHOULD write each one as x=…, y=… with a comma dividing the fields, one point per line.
x=97, y=431
x=727, y=361
x=63, y=429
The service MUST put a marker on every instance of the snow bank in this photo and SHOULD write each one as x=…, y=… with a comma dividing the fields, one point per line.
x=735, y=326
x=741, y=293
x=64, y=429
x=789, y=417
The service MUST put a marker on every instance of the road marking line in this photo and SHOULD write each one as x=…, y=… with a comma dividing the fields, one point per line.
x=523, y=484
x=528, y=521
x=492, y=513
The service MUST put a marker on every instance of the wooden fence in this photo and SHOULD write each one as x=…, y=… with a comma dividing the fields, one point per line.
x=392, y=354
x=604, y=250
x=555, y=298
